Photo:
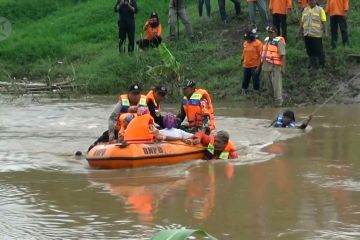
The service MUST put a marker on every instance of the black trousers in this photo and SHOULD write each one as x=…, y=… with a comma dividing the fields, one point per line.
x=222, y=10
x=251, y=73
x=126, y=29
x=315, y=51
x=340, y=21
x=279, y=22
x=145, y=43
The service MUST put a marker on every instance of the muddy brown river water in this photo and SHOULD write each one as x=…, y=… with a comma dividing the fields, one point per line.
x=287, y=184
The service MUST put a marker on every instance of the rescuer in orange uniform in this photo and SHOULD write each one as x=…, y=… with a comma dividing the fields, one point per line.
x=338, y=10
x=127, y=103
x=197, y=107
x=273, y=64
x=218, y=146
x=279, y=10
x=153, y=30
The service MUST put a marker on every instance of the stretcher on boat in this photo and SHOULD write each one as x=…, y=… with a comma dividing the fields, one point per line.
x=112, y=156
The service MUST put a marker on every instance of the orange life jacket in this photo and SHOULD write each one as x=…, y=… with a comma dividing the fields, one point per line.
x=125, y=104
x=151, y=32
x=122, y=121
x=270, y=51
x=138, y=129
x=194, y=112
x=151, y=97
x=210, y=150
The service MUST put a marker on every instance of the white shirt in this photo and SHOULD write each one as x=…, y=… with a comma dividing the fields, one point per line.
x=175, y=133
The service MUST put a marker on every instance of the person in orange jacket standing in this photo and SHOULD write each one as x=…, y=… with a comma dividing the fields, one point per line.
x=273, y=62
x=152, y=36
x=338, y=10
x=279, y=10
x=251, y=58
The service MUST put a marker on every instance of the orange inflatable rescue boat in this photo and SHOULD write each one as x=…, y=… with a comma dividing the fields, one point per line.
x=111, y=156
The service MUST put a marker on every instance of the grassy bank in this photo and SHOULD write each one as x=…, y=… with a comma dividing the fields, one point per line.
x=49, y=37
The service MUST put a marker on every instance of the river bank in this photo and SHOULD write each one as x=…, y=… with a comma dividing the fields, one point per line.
x=77, y=40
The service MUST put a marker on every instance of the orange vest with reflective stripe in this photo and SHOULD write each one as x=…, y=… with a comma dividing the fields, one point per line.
x=151, y=97
x=270, y=51
x=193, y=109
x=225, y=153
x=138, y=129
x=125, y=104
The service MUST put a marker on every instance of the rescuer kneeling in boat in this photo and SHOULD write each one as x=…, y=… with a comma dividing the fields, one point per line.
x=197, y=107
x=287, y=120
x=153, y=101
x=218, y=146
x=128, y=103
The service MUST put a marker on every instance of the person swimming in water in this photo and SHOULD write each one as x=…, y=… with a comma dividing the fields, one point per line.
x=287, y=120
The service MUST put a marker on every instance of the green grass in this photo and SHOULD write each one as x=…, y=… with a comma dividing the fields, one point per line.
x=84, y=33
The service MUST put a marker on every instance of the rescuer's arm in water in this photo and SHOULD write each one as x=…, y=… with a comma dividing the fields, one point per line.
x=113, y=120
x=181, y=116
x=306, y=123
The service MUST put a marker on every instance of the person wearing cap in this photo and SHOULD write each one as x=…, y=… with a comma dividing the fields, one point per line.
x=152, y=36
x=273, y=64
x=279, y=10
x=126, y=23
x=261, y=6
x=127, y=103
x=217, y=147
x=251, y=58
x=287, y=120
x=338, y=11
x=153, y=101
x=312, y=28
x=197, y=107
x=177, y=10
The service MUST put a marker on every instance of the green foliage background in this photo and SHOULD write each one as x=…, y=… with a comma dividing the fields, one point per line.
x=84, y=33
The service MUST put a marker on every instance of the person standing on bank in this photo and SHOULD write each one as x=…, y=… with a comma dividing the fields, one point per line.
x=273, y=63
x=313, y=27
x=261, y=6
x=338, y=10
x=207, y=5
x=126, y=23
x=222, y=9
x=251, y=58
x=177, y=10
x=279, y=10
